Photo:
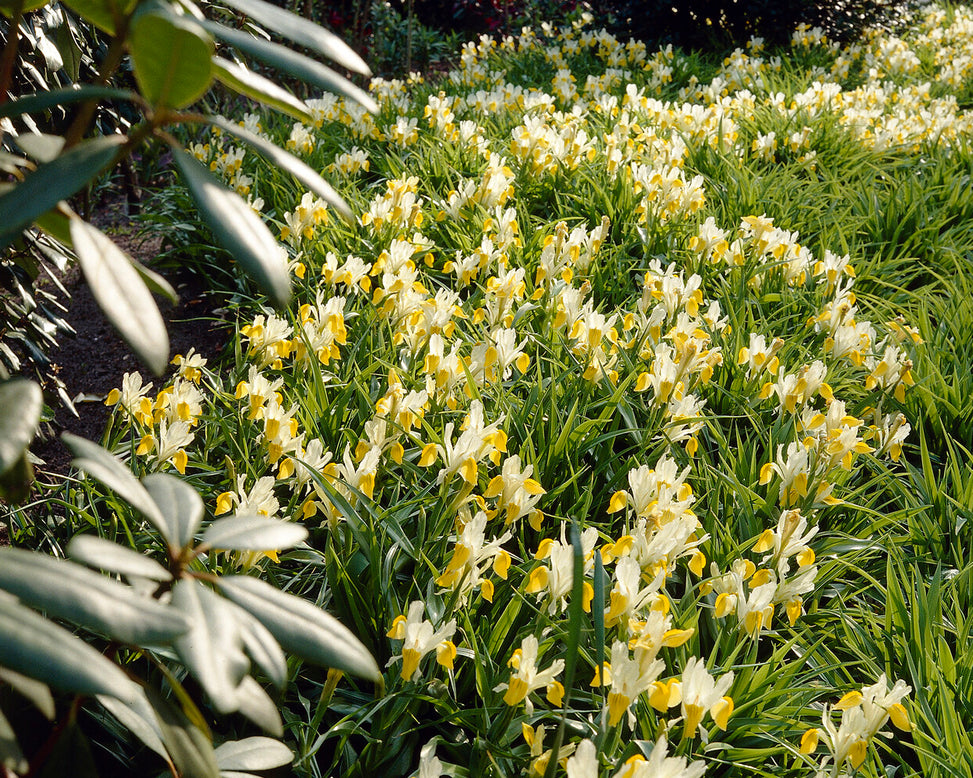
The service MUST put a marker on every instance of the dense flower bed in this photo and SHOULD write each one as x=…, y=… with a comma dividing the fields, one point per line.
x=564, y=335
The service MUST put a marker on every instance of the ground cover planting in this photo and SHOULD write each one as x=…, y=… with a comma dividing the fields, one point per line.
x=627, y=414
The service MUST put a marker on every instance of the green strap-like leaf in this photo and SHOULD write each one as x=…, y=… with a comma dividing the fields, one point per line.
x=41, y=101
x=52, y=182
x=303, y=32
x=292, y=63
x=71, y=592
x=238, y=229
x=182, y=508
x=121, y=294
x=102, y=466
x=104, y=555
x=300, y=627
x=261, y=89
x=212, y=649
x=171, y=57
x=253, y=753
x=21, y=403
x=253, y=533
x=287, y=161
x=35, y=647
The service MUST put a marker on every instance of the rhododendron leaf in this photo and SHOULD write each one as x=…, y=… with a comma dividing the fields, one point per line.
x=238, y=229
x=300, y=627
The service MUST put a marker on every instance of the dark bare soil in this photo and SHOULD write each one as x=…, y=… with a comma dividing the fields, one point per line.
x=92, y=362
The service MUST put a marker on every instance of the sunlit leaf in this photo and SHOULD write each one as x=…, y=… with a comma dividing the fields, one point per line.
x=35, y=647
x=253, y=753
x=237, y=228
x=300, y=627
x=258, y=706
x=21, y=403
x=304, y=68
x=171, y=57
x=181, y=507
x=257, y=87
x=287, y=161
x=121, y=294
x=74, y=593
x=212, y=649
x=103, y=554
x=253, y=533
x=303, y=32
x=261, y=646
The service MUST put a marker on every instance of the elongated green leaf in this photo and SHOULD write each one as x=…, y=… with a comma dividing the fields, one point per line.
x=11, y=757
x=287, y=161
x=212, y=649
x=180, y=505
x=171, y=57
x=57, y=223
x=102, y=466
x=105, y=555
x=156, y=283
x=292, y=63
x=7, y=7
x=35, y=691
x=300, y=627
x=303, y=32
x=253, y=753
x=74, y=593
x=21, y=403
x=190, y=749
x=41, y=101
x=53, y=182
x=101, y=13
x=253, y=533
x=66, y=42
x=254, y=703
x=121, y=294
x=33, y=646
x=261, y=646
x=257, y=87
x=138, y=717
x=238, y=229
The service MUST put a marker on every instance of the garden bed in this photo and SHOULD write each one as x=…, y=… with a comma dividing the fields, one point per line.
x=631, y=414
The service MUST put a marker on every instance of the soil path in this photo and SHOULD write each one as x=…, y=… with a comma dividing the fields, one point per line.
x=92, y=362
